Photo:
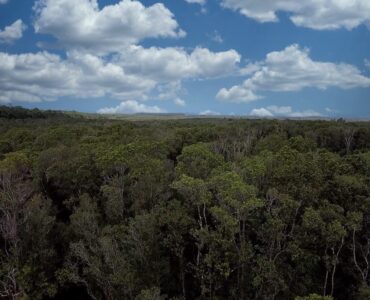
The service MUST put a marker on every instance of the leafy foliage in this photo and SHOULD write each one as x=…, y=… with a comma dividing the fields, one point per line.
x=92, y=208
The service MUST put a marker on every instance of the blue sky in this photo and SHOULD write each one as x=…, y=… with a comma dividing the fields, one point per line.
x=243, y=57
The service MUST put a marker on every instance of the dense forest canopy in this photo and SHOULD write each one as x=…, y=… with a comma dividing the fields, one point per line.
x=183, y=209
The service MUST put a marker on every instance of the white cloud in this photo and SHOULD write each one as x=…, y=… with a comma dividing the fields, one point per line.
x=137, y=73
x=249, y=69
x=283, y=111
x=209, y=113
x=169, y=91
x=12, y=32
x=102, y=55
x=305, y=114
x=261, y=112
x=201, y=2
x=280, y=109
x=237, y=94
x=315, y=14
x=110, y=29
x=179, y=102
x=170, y=64
x=3, y=1
x=293, y=70
x=45, y=77
x=131, y=107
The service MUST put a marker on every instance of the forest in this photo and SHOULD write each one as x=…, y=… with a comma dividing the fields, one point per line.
x=197, y=208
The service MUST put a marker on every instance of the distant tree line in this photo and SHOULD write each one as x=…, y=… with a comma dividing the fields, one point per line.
x=17, y=112
x=183, y=209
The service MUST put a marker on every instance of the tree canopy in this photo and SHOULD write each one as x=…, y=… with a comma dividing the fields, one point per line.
x=93, y=208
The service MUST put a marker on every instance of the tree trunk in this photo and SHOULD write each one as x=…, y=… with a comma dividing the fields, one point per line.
x=182, y=274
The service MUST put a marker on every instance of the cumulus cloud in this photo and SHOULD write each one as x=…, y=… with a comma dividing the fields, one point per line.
x=201, y=2
x=180, y=102
x=261, y=112
x=209, y=113
x=290, y=70
x=102, y=57
x=280, y=109
x=283, y=111
x=135, y=73
x=237, y=94
x=169, y=91
x=305, y=114
x=12, y=32
x=315, y=14
x=43, y=77
x=110, y=29
x=131, y=107
x=175, y=63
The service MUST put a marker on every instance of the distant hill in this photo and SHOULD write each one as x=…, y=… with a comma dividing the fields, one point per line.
x=20, y=113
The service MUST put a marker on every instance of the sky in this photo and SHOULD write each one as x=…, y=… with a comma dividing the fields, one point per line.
x=271, y=58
